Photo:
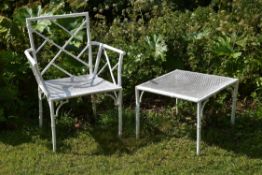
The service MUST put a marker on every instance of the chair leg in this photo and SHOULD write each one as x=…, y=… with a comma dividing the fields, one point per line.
x=120, y=120
x=52, y=116
x=40, y=106
x=199, y=116
x=234, y=101
x=137, y=113
x=93, y=101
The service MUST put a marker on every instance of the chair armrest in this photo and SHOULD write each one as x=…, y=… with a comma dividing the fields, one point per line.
x=29, y=57
x=37, y=74
x=108, y=47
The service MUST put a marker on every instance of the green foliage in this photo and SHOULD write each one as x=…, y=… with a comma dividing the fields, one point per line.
x=15, y=75
x=217, y=42
x=219, y=37
x=2, y=117
x=144, y=60
x=8, y=81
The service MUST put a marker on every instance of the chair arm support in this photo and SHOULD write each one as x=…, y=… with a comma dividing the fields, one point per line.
x=120, y=59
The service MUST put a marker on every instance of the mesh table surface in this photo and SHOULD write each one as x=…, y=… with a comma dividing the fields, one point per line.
x=191, y=86
x=76, y=86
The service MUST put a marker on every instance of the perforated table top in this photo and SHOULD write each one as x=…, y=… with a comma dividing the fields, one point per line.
x=191, y=86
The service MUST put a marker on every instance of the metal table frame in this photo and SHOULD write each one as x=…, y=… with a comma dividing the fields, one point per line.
x=201, y=102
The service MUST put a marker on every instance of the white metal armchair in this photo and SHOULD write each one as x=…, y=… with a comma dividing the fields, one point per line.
x=57, y=91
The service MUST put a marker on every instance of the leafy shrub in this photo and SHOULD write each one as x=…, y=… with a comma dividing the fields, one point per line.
x=16, y=79
x=224, y=42
x=217, y=37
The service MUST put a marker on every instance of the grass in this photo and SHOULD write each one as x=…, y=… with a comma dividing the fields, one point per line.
x=167, y=145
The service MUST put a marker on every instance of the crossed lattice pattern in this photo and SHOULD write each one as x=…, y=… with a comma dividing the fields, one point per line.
x=62, y=49
x=101, y=57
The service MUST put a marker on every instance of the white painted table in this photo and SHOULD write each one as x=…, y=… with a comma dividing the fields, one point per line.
x=190, y=86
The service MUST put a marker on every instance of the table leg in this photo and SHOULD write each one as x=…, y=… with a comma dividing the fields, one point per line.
x=40, y=106
x=176, y=106
x=199, y=116
x=200, y=109
x=234, y=101
x=137, y=113
x=120, y=115
x=93, y=101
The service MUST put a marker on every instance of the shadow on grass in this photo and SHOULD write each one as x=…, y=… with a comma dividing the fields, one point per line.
x=20, y=133
x=244, y=138
x=28, y=131
x=105, y=134
x=103, y=131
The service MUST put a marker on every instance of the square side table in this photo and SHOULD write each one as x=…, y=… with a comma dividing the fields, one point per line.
x=190, y=86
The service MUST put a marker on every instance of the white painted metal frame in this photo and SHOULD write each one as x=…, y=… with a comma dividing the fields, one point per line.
x=201, y=102
x=43, y=85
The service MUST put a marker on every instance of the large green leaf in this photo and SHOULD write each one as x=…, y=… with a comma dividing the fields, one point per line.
x=20, y=15
x=223, y=46
x=236, y=54
x=158, y=46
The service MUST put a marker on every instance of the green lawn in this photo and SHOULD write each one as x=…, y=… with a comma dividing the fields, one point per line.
x=167, y=146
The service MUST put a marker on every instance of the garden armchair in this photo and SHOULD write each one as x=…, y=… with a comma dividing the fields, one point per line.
x=56, y=41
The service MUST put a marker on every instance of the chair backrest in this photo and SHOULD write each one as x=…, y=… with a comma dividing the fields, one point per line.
x=47, y=31
x=57, y=38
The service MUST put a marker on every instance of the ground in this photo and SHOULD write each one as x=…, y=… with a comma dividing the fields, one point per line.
x=167, y=145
